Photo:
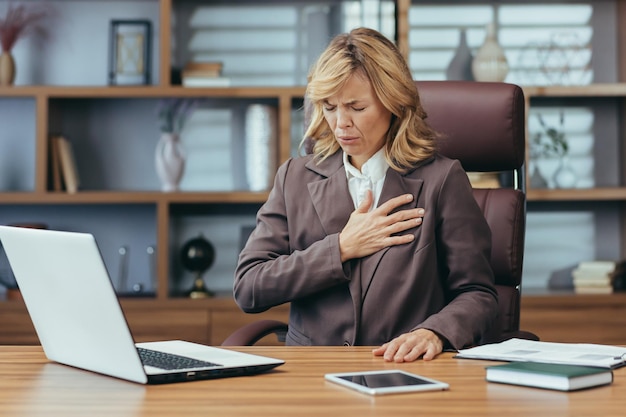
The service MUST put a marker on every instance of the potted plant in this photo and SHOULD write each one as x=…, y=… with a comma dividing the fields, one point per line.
x=18, y=22
x=551, y=142
x=173, y=113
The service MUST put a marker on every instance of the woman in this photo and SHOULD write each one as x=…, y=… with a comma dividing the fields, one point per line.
x=375, y=239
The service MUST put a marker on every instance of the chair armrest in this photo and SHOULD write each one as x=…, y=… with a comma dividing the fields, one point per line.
x=251, y=333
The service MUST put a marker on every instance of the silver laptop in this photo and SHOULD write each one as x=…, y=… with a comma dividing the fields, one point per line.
x=78, y=319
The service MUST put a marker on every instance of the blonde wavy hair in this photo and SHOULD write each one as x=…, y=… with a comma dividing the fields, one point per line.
x=409, y=139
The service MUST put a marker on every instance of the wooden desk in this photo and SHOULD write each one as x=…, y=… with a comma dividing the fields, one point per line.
x=32, y=386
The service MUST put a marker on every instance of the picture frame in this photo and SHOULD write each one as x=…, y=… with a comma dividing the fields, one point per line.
x=129, y=52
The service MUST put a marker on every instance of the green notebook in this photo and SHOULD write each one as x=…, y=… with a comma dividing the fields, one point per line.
x=549, y=375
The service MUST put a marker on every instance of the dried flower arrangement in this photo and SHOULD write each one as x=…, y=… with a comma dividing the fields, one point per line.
x=173, y=113
x=20, y=21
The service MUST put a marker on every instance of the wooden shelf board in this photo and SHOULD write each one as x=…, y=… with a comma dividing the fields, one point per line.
x=96, y=92
x=132, y=197
x=592, y=90
x=580, y=194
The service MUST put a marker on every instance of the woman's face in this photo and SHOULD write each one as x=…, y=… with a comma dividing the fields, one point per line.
x=358, y=119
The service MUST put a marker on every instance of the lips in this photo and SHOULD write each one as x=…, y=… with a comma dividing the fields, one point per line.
x=347, y=139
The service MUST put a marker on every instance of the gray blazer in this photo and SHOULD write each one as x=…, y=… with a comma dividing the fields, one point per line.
x=441, y=281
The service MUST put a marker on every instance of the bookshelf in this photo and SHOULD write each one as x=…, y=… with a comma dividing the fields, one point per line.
x=119, y=198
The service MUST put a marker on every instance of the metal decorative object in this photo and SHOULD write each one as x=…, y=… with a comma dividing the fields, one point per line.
x=563, y=59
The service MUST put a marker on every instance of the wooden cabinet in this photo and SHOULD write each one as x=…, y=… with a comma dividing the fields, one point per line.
x=576, y=318
x=203, y=321
x=114, y=130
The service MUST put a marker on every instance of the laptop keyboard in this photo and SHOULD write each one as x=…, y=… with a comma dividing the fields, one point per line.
x=170, y=361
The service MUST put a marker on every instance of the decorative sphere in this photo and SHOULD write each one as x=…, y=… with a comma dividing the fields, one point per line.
x=197, y=254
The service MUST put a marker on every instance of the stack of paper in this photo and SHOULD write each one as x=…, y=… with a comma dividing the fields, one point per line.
x=521, y=350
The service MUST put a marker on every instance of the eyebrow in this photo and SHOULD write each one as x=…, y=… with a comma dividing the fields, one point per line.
x=347, y=103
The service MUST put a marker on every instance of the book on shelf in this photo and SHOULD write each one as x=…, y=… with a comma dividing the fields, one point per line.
x=597, y=268
x=593, y=289
x=63, y=163
x=204, y=74
x=521, y=350
x=202, y=69
x=549, y=375
x=199, y=81
x=54, y=164
x=593, y=280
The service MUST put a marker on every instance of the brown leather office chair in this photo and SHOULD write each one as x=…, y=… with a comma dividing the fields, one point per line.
x=483, y=126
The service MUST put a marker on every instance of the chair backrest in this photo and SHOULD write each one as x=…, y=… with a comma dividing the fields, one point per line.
x=484, y=128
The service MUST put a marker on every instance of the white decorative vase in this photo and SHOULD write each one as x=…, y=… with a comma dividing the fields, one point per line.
x=169, y=161
x=565, y=176
x=490, y=63
x=261, y=137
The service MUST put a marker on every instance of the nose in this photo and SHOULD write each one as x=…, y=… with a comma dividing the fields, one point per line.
x=343, y=119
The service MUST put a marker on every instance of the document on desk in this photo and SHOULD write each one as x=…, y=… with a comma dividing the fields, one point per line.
x=520, y=350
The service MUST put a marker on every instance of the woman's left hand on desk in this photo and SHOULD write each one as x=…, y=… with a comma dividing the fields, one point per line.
x=411, y=346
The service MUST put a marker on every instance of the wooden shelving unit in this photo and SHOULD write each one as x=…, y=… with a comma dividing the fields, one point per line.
x=211, y=320
x=163, y=315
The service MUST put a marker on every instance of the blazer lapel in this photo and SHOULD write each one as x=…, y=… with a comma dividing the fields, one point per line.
x=333, y=204
x=395, y=184
x=330, y=195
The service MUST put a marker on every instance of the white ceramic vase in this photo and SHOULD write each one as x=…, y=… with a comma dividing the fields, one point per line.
x=490, y=63
x=565, y=176
x=261, y=137
x=169, y=161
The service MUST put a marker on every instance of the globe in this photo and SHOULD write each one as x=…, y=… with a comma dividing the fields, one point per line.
x=197, y=255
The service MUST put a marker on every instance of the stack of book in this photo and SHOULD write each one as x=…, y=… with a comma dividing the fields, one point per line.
x=597, y=277
x=204, y=74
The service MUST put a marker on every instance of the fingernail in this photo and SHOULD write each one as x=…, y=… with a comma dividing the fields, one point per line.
x=420, y=212
x=409, y=197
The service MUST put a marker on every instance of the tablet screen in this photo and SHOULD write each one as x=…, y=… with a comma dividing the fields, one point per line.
x=386, y=382
x=386, y=379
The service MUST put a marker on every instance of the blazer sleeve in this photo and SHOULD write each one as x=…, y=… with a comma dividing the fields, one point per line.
x=464, y=241
x=269, y=272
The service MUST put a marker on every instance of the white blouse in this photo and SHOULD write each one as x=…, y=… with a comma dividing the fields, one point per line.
x=371, y=177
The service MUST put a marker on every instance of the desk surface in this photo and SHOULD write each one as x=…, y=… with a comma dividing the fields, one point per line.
x=32, y=386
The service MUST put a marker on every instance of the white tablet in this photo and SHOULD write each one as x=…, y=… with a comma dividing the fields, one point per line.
x=386, y=382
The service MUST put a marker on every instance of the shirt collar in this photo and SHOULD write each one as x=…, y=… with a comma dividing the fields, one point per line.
x=374, y=168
